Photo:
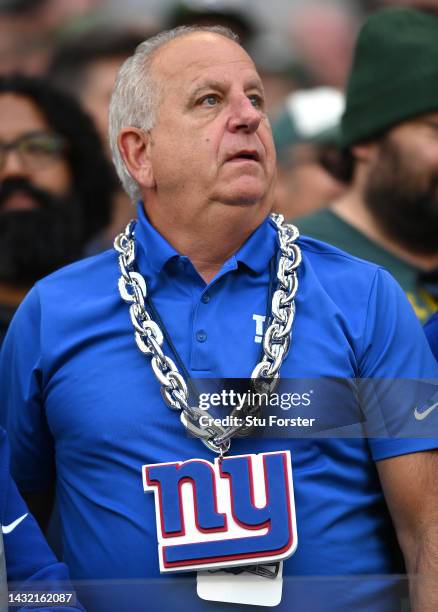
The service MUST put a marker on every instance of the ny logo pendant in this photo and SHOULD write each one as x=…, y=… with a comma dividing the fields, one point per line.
x=238, y=511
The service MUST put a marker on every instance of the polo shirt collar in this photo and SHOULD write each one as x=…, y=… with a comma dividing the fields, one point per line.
x=257, y=251
x=156, y=252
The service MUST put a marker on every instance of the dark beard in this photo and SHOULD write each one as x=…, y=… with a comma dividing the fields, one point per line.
x=402, y=202
x=34, y=243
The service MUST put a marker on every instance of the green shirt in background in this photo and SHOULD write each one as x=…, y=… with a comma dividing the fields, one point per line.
x=328, y=227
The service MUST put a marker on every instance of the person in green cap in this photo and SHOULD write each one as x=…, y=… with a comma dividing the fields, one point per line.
x=389, y=141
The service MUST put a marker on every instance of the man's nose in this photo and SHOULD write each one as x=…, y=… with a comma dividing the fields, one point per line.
x=244, y=116
x=12, y=165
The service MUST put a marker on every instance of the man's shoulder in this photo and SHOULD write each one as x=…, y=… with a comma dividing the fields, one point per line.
x=73, y=300
x=325, y=256
x=86, y=274
x=349, y=281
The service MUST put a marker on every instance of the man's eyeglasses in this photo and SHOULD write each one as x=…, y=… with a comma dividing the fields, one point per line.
x=36, y=150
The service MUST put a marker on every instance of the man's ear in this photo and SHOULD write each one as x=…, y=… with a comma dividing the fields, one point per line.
x=135, y=147
x=365, y=151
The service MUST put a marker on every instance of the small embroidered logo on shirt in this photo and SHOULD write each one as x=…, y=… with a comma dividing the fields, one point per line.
x=8, y=528
x=425, y=413
x=259, y=321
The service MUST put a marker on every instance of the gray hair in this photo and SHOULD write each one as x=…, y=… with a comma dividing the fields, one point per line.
x=136, y=95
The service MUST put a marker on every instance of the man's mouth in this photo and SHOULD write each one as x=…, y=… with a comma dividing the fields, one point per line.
x=244, y=155
x=19, y=200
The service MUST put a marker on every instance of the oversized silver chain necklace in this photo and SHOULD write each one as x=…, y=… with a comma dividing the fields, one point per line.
x=149, y=337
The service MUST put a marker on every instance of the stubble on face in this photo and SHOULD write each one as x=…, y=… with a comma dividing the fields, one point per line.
x=402, y=197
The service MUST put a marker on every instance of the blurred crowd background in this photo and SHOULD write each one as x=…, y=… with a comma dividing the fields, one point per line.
x=307, y=41
x=72, y=50
x=297, y=45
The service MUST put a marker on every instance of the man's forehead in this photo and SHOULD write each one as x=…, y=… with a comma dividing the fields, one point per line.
x=430, y=118
x=198, y=52
x=19, y=114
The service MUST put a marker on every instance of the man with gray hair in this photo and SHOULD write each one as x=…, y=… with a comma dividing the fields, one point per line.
x=207, y=286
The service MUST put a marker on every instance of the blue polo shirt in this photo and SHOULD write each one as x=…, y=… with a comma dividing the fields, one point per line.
x=431, y=329
x=81, y=397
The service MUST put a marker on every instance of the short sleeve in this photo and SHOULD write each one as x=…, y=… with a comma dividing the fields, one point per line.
x=21, y=399
x=399, y=370
x=431, y=329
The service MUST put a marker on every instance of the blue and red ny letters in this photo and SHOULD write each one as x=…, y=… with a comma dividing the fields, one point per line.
x=237, y=511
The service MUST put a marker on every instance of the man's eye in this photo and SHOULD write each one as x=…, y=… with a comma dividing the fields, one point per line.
x=37, y=148
x=42, y=145
x=256, y=100
x=210, y=100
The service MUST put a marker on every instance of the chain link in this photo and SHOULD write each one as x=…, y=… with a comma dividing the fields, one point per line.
x=149, y=337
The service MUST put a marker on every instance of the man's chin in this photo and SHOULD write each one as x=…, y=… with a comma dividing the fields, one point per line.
x=242, y=200
x=34, y=243
x=245, y=193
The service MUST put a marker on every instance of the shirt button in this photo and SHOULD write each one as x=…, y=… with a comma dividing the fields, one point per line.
x=201, y=336
x=205, y=298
